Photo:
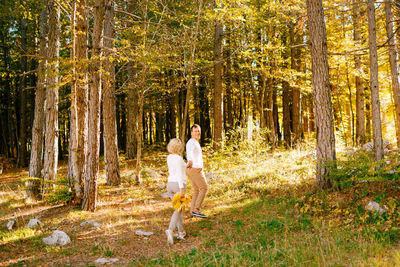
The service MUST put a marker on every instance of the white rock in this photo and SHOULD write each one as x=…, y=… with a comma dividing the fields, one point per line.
x=162, y=187
x=57, y=238
x=140, y=232
x=387, y=162
x=387, y=145
x=10, y=225
x=106, y=260
x=392, y=171
x=153, y=174
x=373, y=206
x=369, y=146
x=129, y=200
x=211, y=176
x=92, y=223
x=33, y=223
x=165, y=195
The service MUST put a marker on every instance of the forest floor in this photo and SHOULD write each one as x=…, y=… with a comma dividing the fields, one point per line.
x=264, y=209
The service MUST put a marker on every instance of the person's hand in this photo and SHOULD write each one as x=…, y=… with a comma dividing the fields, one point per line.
x=182, y=191
x=189, y=164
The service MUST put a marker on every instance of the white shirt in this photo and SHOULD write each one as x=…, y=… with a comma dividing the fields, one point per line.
x=176, y=169
x=194, y=154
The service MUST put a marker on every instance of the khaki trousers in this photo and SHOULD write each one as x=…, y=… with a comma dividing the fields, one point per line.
x=200, y=187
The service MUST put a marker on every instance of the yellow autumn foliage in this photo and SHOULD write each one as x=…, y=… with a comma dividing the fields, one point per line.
x=179, y=202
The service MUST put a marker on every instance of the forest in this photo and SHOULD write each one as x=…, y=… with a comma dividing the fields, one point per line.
x=298, y=103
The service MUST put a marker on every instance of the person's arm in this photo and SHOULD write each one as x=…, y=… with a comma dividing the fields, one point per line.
x=182, y=167
x=189, y=153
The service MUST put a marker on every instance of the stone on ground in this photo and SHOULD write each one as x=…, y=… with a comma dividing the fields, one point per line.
x=33, y=223
x=92, y=223
x=57, y=238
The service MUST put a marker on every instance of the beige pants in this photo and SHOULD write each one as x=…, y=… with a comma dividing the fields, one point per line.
x=199, y=182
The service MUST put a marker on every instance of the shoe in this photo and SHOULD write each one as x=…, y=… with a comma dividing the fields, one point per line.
x=170, y=237
x=199, y=214
x=181, y=235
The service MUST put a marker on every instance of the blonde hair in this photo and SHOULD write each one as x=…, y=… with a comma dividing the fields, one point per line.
x=175, y=146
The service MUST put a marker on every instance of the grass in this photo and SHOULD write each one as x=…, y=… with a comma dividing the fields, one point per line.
x=264, y=211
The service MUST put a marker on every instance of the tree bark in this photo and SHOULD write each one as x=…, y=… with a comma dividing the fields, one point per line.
x=109, y=113
x=90, y=189
x=218, y=91
x=79, y=99
x=360, y=116
x=21, y=160
x=295, y=57
x=51, y=134
x=326, y=153
x=36, y=160
x=393, y=59
x=375, y=103
x=286, y=95
x=189, y=78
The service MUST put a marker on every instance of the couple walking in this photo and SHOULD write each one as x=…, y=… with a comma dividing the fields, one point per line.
x=177, y=179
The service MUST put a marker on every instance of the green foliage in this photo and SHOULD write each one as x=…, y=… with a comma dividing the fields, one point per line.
x=361, y=167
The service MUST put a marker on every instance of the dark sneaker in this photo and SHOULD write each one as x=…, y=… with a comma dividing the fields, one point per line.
x=199, y=214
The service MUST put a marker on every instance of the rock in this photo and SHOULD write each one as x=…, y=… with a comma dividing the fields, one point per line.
x=92, y=223
x=143, y=233
x=373, y=206
x=10, y=224
x=369, y=146
x=387, y=145
x=392, y=171
x=162, y=187
x=211, y=176
x=33, y=223
x=165, y=195
x=57, y=238
x=129, y=200
x=153, y=174
x=106, y=260
x=349, y=150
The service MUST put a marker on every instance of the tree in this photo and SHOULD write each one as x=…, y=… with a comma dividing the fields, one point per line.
x=360, y=121
x=375, y=102
x=92, y=173
x=218, y=91
x=109, y=113
x=36, y=160
x=321, y=89
x=79, y=98
x=51, y=133
x=393, y=59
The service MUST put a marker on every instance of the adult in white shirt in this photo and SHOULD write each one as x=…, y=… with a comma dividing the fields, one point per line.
x=195, y=171
x=176, y=183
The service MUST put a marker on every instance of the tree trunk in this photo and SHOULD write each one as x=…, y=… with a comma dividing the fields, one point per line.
x=360, y=120
x=218, y=91
x=51, y=135
x=79, y=99
x=21, y=160
x=375, y=103
x=36, y=160
x=109, y=113
x=393, y=59
x=322, y=99
x=286, y=95
x=229, y=92
x=90, y=189
x=295, y=57
x=190, y=73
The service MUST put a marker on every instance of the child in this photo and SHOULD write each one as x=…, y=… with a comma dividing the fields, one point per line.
x=176, y=183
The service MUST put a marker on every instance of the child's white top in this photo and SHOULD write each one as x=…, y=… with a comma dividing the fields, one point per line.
x=176, y=169
x=194, y=154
